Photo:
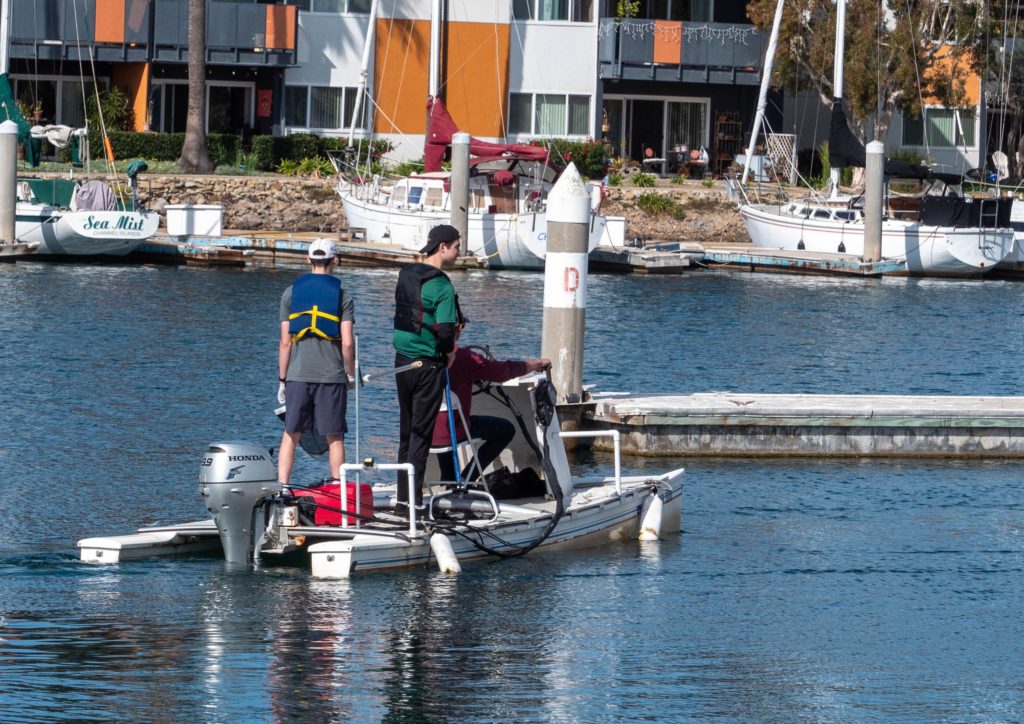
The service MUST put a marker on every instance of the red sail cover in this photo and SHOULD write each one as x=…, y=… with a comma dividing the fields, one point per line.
x=441, y=128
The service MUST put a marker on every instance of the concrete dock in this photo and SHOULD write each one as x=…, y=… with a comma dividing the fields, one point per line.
x=752, y=425
x=746, y=257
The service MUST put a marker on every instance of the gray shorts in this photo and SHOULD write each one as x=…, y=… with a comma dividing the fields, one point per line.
x=319, y=403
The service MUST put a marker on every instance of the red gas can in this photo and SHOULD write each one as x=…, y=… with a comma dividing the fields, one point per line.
x=324, y=504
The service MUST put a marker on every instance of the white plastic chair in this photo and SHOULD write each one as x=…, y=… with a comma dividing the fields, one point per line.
x=467, y=448
x=1002, y=163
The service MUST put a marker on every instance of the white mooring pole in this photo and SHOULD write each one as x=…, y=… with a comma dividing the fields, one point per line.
x=458, y=197
x=8, y=180
x=565, y=283
x=874, y=172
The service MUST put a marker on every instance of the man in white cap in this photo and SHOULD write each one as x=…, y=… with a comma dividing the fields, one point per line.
x=315, y=360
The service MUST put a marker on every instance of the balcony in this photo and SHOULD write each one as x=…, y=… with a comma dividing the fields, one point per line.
x=662, y=50
x=237, y=33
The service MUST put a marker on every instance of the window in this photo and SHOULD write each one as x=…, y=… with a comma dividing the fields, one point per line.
x=577, y=11
x=328, y=108
x=689, y=10
x=335, y=6
x=549, y=114
x=947, y=128
x=519, y=112
x=686, y=124
x=296, y=100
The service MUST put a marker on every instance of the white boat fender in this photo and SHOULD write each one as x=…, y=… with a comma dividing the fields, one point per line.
x=447, y=561
x=650, y=521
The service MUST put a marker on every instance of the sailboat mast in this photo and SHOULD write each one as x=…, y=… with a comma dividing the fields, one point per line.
x=762, y=99
x=363, y=71
x=434, y=79
x=5, y=34
x=837, y=78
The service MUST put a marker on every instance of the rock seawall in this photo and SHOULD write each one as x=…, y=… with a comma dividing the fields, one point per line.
x=287, y=204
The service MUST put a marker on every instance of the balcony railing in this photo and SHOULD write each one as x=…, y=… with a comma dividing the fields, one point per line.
x=677, y=51
x=237, y=33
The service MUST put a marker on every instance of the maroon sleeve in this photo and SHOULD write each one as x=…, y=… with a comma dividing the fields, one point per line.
x=492, y=370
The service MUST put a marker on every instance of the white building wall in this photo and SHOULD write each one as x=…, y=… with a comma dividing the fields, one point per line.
x=330, y=49
x=554, y=57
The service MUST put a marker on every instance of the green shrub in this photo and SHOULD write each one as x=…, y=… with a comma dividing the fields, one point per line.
x=680, y=179
x=614, y=179
x=288, y=167
x=407, y=168
x=589, y=156
x=708, y=183
x=315, y=166
x=643, y=179
x=654, y=203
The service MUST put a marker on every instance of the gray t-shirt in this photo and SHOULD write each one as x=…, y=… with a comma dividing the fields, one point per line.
x=314, y=359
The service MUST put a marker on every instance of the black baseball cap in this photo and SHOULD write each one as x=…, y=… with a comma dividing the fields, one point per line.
x=443, y=234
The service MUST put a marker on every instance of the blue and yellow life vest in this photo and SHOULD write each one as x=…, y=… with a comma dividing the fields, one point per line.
x=317, y=297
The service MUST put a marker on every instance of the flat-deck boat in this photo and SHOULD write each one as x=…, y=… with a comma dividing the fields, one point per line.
x=358, y=526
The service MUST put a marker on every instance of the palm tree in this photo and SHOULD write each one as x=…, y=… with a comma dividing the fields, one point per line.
x=194, y=156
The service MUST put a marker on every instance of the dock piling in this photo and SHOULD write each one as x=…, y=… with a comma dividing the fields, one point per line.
x=565, y=283
x=460, y=188
x=874, y=170
x=8, y=180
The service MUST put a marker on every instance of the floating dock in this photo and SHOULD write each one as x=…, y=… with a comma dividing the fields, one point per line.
x=747, y=258
x=266, y=249
x=780, y=425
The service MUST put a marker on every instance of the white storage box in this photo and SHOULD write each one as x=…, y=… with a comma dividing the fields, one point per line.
x=194, y=219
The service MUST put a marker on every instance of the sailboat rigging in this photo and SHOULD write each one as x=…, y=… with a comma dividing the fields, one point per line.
x=508, y=186
x=935, y=229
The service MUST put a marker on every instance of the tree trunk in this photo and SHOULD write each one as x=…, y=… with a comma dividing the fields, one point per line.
x=194, y=156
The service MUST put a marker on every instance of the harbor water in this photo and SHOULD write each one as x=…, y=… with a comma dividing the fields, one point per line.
x=799, y=590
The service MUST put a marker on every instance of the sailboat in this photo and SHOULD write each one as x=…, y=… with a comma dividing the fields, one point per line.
x=62, y=216
x=932, y=225
x=508, y=188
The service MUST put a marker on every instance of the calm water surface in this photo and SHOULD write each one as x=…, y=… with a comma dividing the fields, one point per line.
x=799, y=590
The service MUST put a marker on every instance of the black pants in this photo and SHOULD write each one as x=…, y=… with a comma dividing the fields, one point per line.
x=496, y=433
x=420, y=392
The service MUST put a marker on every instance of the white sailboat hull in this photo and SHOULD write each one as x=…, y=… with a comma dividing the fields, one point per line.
x=928, y=250
x=83, y=233
x=507, y=241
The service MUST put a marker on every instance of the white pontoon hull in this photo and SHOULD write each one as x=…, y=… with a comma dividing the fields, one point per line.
x=596, y=516
x=83, y=233
x=928, y=250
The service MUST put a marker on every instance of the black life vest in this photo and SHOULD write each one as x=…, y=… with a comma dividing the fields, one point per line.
x=409, y=297
x=317, y=301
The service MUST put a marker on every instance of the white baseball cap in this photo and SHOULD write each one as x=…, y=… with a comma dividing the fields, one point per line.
x=321, y=249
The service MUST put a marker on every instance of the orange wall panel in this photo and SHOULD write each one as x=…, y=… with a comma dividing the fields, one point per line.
x=281, y=27
x=133, y=78
x=400, y=74
x=110, y=21
x=476, y=89
x=668, y=42
x=943, y=68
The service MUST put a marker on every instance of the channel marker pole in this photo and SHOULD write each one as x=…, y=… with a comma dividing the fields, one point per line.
x=565, y=283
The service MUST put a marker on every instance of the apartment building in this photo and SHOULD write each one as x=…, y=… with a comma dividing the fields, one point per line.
x=675, y=72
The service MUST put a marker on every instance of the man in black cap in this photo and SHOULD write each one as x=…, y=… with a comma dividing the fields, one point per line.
x=426, y=314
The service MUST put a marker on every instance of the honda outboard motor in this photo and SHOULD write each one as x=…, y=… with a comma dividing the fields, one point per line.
x=232, y=479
